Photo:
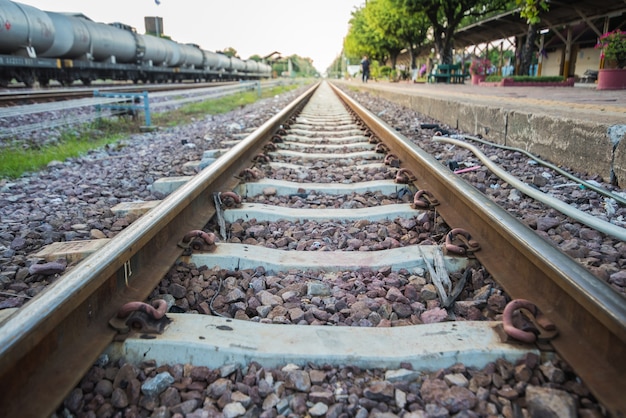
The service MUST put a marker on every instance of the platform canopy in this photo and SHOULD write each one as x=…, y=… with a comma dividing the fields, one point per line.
x=591, y=15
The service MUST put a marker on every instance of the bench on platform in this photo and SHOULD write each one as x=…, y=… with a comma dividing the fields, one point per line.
x=590, y=76
x=447, y=73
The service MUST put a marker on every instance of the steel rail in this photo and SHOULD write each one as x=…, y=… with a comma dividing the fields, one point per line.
x=590, y=316
x=62, y=94
x=50, y=343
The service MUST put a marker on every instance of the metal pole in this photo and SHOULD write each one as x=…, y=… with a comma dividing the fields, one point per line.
x=146, y=107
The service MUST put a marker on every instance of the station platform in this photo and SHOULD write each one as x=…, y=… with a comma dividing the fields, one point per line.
x=578, y=127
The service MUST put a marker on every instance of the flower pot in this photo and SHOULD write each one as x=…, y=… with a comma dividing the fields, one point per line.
x=477, y=78
x=611, y=79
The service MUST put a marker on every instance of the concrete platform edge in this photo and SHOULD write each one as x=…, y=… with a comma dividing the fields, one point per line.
x=583, y=145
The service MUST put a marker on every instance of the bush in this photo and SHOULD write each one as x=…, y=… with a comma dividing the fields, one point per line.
x=527, y=78
x=385, y=71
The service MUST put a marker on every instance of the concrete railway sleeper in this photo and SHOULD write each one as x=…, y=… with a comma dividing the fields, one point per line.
x=378, y=290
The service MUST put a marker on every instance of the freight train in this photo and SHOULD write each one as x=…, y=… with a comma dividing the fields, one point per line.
x=40, y=46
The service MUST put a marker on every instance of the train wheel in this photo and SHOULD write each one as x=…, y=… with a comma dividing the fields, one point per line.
x=29, y=80
x=44, y=82
x=86, y=81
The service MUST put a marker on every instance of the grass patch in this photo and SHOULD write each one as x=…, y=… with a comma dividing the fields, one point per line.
x=19, y=158
x=189, y=113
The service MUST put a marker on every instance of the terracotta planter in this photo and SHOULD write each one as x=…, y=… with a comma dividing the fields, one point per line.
x=478, y=78
x=611, y=79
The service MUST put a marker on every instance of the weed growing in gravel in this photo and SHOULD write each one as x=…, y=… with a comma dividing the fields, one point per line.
x=20, y=157
x=194, y=111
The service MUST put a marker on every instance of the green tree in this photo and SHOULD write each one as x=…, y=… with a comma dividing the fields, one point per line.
x=303, y=67
x=414, y=32
x=230, y=52
x=385, y=22
x=361, y=38
x=446, y=16
x=530, y=10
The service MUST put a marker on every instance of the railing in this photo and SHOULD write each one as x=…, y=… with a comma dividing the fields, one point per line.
x=126, y=104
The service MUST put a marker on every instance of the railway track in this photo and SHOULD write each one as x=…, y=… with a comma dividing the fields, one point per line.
x=67, y=327
x=13, y=97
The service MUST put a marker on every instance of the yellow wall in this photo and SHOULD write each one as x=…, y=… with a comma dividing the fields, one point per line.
x=585, y=59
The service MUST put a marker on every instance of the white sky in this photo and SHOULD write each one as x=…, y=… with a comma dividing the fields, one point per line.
x=309, y=28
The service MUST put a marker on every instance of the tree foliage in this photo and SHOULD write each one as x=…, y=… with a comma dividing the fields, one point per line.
x=229, y=52
x=301, y=67
x=446, y=16
x=382, y=28
x=361, y=38
x=385, y=22
x=530, y=9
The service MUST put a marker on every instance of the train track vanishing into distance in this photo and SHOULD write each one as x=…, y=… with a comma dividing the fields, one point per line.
x=48, y=345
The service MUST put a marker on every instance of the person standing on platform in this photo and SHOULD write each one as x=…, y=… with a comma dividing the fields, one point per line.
x=365, y=66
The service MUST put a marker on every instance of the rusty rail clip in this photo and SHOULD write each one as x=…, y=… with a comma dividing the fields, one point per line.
x=459, y=242
x=381, y=148
x=424, y=199
x=404, y=176
x=198, y=240
x=143, y=317
x=392, y=160
x=531, y=326
x=229, y=199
